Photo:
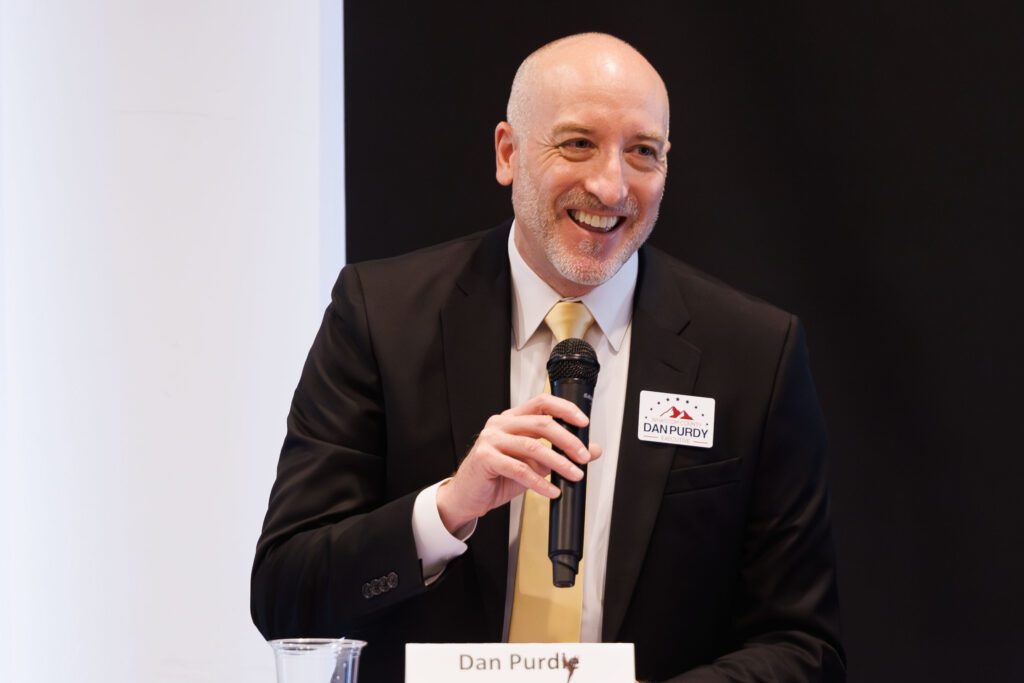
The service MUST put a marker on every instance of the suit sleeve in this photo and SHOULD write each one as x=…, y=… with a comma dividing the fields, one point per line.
x=786, y=624
x=334, y=551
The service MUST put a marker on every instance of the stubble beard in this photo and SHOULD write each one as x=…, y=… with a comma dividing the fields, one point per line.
x=581, y=262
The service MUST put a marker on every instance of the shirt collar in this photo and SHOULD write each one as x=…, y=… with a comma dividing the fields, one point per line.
x=611, y=303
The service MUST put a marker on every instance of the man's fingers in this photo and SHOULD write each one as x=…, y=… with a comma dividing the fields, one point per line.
x=521, y=473
x=538, y=427
x=536, y=453
x=546, y=404
x=545, y=427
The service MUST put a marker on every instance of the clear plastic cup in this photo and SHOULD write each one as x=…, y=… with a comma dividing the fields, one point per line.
x=317, y=660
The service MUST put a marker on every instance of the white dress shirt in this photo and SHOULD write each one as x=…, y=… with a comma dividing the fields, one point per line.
x=611, y=304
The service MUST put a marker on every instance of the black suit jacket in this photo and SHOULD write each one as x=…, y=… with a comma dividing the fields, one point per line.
x=720, y=560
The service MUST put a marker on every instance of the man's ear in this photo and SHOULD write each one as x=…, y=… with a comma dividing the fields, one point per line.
x=504, y=151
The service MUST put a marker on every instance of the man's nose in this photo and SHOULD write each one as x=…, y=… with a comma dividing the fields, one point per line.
x=607, y=182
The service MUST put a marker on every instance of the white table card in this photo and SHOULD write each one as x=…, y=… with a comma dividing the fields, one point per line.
x=508, y=662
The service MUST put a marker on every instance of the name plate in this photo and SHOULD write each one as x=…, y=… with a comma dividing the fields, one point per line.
x=506, y=662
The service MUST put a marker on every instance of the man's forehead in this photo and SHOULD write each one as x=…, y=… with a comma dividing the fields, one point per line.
x=586, y=107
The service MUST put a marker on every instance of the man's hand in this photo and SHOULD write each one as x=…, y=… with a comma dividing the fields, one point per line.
x=508, y=458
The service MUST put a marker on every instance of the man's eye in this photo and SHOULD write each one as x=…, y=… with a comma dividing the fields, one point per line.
x=646, y=151
x=578, y=143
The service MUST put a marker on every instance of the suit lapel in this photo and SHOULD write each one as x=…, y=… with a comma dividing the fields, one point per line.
x=659, y=360
x=477, y=332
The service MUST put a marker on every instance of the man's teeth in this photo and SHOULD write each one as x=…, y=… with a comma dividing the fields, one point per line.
x=590, y=220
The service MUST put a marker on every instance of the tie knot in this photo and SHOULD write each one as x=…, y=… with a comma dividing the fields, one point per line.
x=568, y=319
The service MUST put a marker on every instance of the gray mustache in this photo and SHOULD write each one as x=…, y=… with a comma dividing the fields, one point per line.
x=587, y=202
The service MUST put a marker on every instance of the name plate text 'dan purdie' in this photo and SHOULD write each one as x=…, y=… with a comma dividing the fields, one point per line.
x=519, y=662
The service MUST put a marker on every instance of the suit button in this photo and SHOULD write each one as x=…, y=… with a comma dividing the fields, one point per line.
x=392, y=580
x=366, y=591
x=375, y=586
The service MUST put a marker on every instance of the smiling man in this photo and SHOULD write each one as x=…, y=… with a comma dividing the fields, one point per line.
x=585, y=149
x=712, y=554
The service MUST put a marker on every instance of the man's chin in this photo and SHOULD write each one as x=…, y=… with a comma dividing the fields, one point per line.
x=586, y=272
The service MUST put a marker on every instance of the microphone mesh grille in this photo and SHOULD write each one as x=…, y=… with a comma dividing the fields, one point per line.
x=573, y=358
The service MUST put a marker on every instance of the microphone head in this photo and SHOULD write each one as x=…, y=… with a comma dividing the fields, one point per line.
x=573, y=359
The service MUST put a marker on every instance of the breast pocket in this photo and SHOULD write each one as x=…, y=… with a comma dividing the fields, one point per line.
x=704, y=476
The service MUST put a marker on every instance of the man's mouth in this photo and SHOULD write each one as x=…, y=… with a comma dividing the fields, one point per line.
x=593, y=222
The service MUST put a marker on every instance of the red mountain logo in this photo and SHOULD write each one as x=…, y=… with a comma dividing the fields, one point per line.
x=675, y=413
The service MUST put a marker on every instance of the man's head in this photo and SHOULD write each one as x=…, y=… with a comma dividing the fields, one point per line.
x=585, y=150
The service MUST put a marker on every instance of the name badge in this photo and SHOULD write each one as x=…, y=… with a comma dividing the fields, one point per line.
x=509, y=662
x=677, y=419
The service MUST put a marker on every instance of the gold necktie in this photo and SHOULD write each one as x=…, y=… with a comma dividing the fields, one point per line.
x=542, y=613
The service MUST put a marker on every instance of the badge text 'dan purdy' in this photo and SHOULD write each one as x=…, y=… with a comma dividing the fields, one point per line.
x=676, y=430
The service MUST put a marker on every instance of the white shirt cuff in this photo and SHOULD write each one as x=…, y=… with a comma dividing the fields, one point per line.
x=435, y=546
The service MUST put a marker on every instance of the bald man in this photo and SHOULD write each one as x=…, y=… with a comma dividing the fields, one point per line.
x=715, y=558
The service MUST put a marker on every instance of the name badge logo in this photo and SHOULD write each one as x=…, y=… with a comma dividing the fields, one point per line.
x=677, y=419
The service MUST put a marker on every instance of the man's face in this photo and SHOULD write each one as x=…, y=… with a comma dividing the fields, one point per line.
x=588, y=175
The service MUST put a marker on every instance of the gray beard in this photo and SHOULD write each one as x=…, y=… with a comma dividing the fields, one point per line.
x=567, y=261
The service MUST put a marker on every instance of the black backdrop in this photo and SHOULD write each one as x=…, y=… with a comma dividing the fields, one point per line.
x=859, y=164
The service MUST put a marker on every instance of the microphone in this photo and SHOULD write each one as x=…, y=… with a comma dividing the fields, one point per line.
x=572, y=370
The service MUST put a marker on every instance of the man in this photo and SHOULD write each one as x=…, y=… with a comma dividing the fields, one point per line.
x=715, y=558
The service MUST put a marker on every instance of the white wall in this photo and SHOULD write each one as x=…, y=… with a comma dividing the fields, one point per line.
x=171, y=189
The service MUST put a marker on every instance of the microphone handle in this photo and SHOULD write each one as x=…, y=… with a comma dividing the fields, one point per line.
x=568, y=511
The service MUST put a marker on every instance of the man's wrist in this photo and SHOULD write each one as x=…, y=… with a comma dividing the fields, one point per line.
x=453, y=519
x=435, y=545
